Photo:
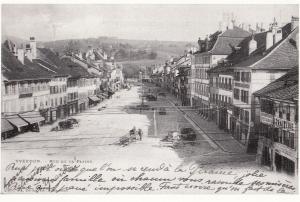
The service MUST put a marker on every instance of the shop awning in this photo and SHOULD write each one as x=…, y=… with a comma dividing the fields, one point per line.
x=16, y=121
x=5, y=126
x=94, y=98
x=32, y=117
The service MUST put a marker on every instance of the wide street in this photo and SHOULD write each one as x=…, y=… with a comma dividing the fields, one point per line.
x=96, y=137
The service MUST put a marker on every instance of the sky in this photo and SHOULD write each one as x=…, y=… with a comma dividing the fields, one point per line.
x=146, y=22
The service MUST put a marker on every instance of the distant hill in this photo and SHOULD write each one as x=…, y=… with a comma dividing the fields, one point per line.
x=126, y=49
x=132, y=54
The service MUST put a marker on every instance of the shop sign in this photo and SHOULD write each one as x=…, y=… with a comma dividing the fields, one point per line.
x=243, y=85
x=266, y=120
x=284, y=124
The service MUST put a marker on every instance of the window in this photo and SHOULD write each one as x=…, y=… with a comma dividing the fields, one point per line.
x=286, y=137
x=288, y=109
x=236, y=93
x=247, y=116
x=249, y=77
x=267, y=106
x=244, y=96
x=296, y=114
x=242, y=76
x=292, y=139
x=280, y=110
x=236, y=112
x=242, y=114
x=276, y=134
x=6, y=90
x=226, y=86
x=272, y=77
x=237, y=76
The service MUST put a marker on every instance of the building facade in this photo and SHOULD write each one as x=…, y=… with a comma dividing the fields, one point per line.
x=211, y=52
x=258, y=62
x=276, y=124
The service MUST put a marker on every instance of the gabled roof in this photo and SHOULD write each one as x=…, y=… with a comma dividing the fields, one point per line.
x=228, y=40
x=13, y=69
x=284, y=88
x=236, y=32
x=75, y=70
x=63, y=67
x=282, y=55
x=225, y=70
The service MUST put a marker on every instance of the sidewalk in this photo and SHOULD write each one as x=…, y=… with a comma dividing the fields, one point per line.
x=223, y=139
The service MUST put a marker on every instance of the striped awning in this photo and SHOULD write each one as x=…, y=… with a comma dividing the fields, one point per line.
x=5, y=126
x=16, y=121
x=32, y=117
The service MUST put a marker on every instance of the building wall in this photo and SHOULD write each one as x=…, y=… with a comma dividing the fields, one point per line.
x=278, y=135
x=258, y=80
x=24, y=96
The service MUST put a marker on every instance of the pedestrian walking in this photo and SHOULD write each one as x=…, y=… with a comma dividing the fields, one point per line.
x=140, y=133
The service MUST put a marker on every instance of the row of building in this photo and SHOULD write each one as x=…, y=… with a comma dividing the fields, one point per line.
x=39, y=86
x=246, y=81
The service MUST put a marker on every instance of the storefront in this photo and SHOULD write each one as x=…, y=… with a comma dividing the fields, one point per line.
x=94, y=100
x=18, y=122
x=46, y=114
x=83, y=104
x=53, y=116
x=34, y=119
x=7, y=129
x=223, y=118
x=284, y=164
x=214, y=113
x=205, y=110
x=72, y=107
x=101, y=97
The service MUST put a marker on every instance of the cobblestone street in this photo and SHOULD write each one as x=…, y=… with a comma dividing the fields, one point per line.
x=99, y=140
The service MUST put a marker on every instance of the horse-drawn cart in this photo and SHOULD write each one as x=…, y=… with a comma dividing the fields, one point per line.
x=132, y=136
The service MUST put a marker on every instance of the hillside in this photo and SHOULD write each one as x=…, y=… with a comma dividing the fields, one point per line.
x=126, y=49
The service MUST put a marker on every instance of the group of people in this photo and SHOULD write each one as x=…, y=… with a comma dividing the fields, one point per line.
x=133, y=132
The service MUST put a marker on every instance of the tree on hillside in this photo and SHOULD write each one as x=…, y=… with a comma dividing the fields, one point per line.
x=71, y=47
x=152, y=55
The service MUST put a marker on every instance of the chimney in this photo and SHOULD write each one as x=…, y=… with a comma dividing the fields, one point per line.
x=295, y=22
x=206, y=43
x=231, y=24
x=199, y=44
x=269, y=40
x=20, y=55
x=252, y=45
x=28, y=52
x=277, y=35
x=249, y=28
x=257, y=28
x=33, y=47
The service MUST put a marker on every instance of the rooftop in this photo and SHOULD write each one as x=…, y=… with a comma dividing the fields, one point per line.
x=282, y=55
x=284, y=88
x=13, y=69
